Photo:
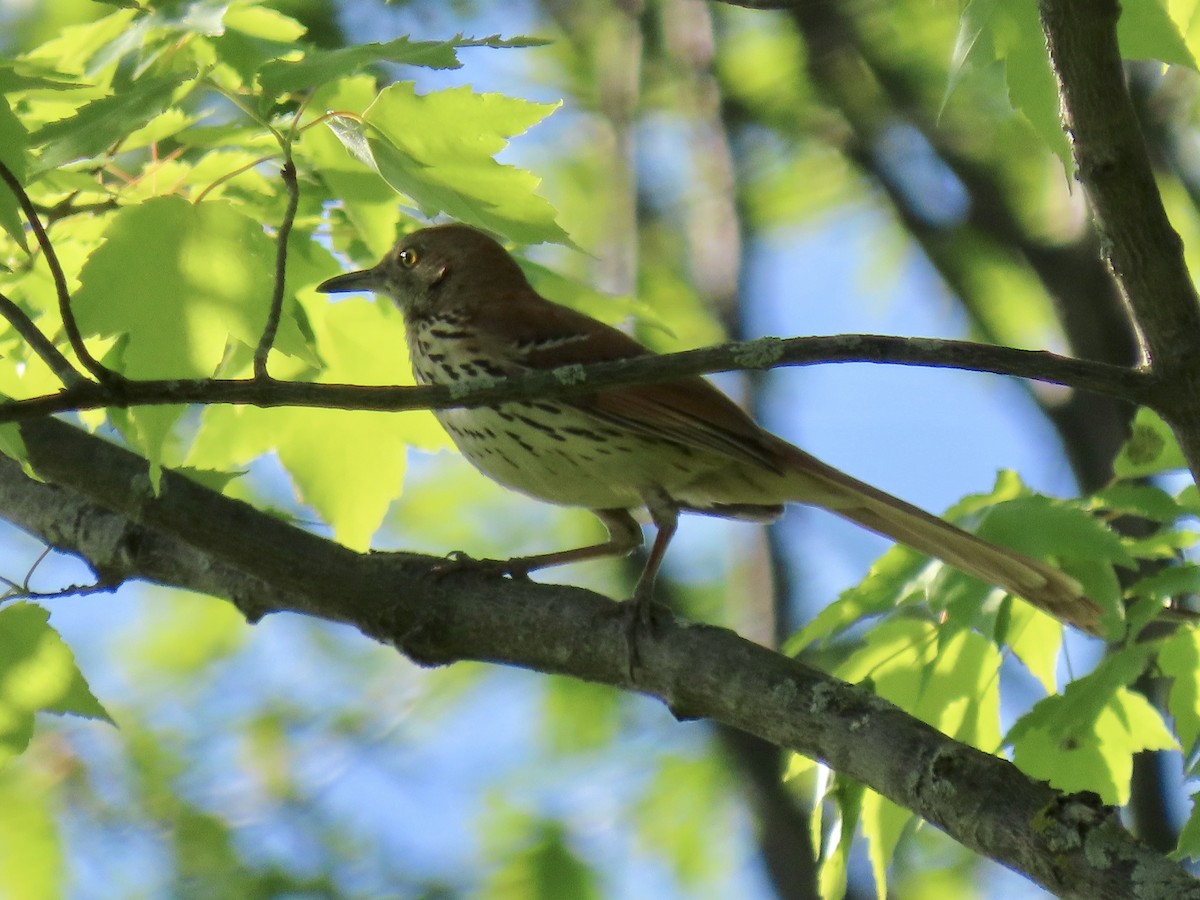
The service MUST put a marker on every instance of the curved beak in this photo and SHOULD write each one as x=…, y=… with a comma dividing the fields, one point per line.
x=362, y=280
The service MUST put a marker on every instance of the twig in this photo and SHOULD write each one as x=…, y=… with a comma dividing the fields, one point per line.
x=17, y=592
x=1132, y=385
x=42, y=345
x=24, y=592
x=281, y=241
x=90, y=363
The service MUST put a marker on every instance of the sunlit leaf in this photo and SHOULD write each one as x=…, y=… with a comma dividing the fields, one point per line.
x=1036, y=640
x=31, y=854
x=1144, y=500
x=1189, y=836
x=37, y=672
x=1085, y=738
x=13, y=141
x=438, y=149
x=948, y=680
x=892, y=578
x=100, y=124
x=1179, y=660
x=1150, y=449
x=1010, y=32
x=1146, y=31
x=321, y=66
x=179, y=281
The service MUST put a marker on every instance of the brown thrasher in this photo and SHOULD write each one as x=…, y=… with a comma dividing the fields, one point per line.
x=681, y=446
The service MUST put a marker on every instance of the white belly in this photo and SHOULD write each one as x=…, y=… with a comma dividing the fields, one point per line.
x=559, y=457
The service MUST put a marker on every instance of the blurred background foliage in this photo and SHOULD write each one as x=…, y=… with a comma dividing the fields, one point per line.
x=848, y=166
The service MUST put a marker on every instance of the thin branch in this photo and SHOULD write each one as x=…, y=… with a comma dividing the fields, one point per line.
x=281, y=241
x=23, y=590
x=1132, y=385
x=42, y=345
x=90, y=363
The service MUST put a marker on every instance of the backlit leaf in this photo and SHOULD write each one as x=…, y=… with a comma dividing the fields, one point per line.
x=37, y=673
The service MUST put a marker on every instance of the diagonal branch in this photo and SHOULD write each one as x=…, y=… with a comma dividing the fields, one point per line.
x=281, y=248
x=41, y=345
x=1132, y=385
x=100, y=372
x=188, y=535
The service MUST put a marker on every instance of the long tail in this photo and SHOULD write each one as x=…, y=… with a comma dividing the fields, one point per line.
x=1044, y=586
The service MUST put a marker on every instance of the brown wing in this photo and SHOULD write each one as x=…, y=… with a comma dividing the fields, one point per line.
x=689, y=410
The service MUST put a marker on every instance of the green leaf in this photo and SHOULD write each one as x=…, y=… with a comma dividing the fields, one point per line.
x=76, y=46
x=1041, y=527
x=31, y=857
x=1146, y=31
x=1009, y=31
x=319, y=67
x=578, y=715
x=183, y=636
x=847, y=797
x=13, y=143
x=438, y=149
x=180, y=281
x=12, y=445
x=1072, y=712
x=1166, y=543
x=96, y=126
x=949, y=680
x=1036, y=640
x=1150, y=449
x=535, y=861
x=686, y=798
x=1173, y=581
x=37, y=672
x=1075, y=539
x=253, y=35
x=1179, y=660
x=1085, y=738
x=1145, y=500
x=893, y=577
x=368, y=201
x=347, y=465
x=26, y=74
x=1102, y=759
x=1189, y=836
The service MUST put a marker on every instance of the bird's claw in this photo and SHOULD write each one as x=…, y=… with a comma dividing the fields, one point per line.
x=457, y=561
x=640, y=618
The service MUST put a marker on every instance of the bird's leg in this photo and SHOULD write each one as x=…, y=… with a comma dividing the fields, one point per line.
x=664, y=512
x=638, y=612
x=624, y=536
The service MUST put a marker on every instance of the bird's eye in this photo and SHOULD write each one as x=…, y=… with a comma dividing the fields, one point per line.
x=408, y=257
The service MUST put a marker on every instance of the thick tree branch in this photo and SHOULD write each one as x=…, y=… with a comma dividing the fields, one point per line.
x=1127, y=384
x=1142, y=248
x=96, y=501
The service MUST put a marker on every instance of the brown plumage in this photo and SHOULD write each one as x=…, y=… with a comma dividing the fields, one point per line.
x=681, y=446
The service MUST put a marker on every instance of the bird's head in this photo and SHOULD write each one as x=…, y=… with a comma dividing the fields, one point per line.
x=443, y=269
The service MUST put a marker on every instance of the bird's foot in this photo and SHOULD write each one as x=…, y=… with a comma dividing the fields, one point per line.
x=640, y=619
x=457, y=561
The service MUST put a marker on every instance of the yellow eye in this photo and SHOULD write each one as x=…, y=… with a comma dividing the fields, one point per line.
x=408, y=257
